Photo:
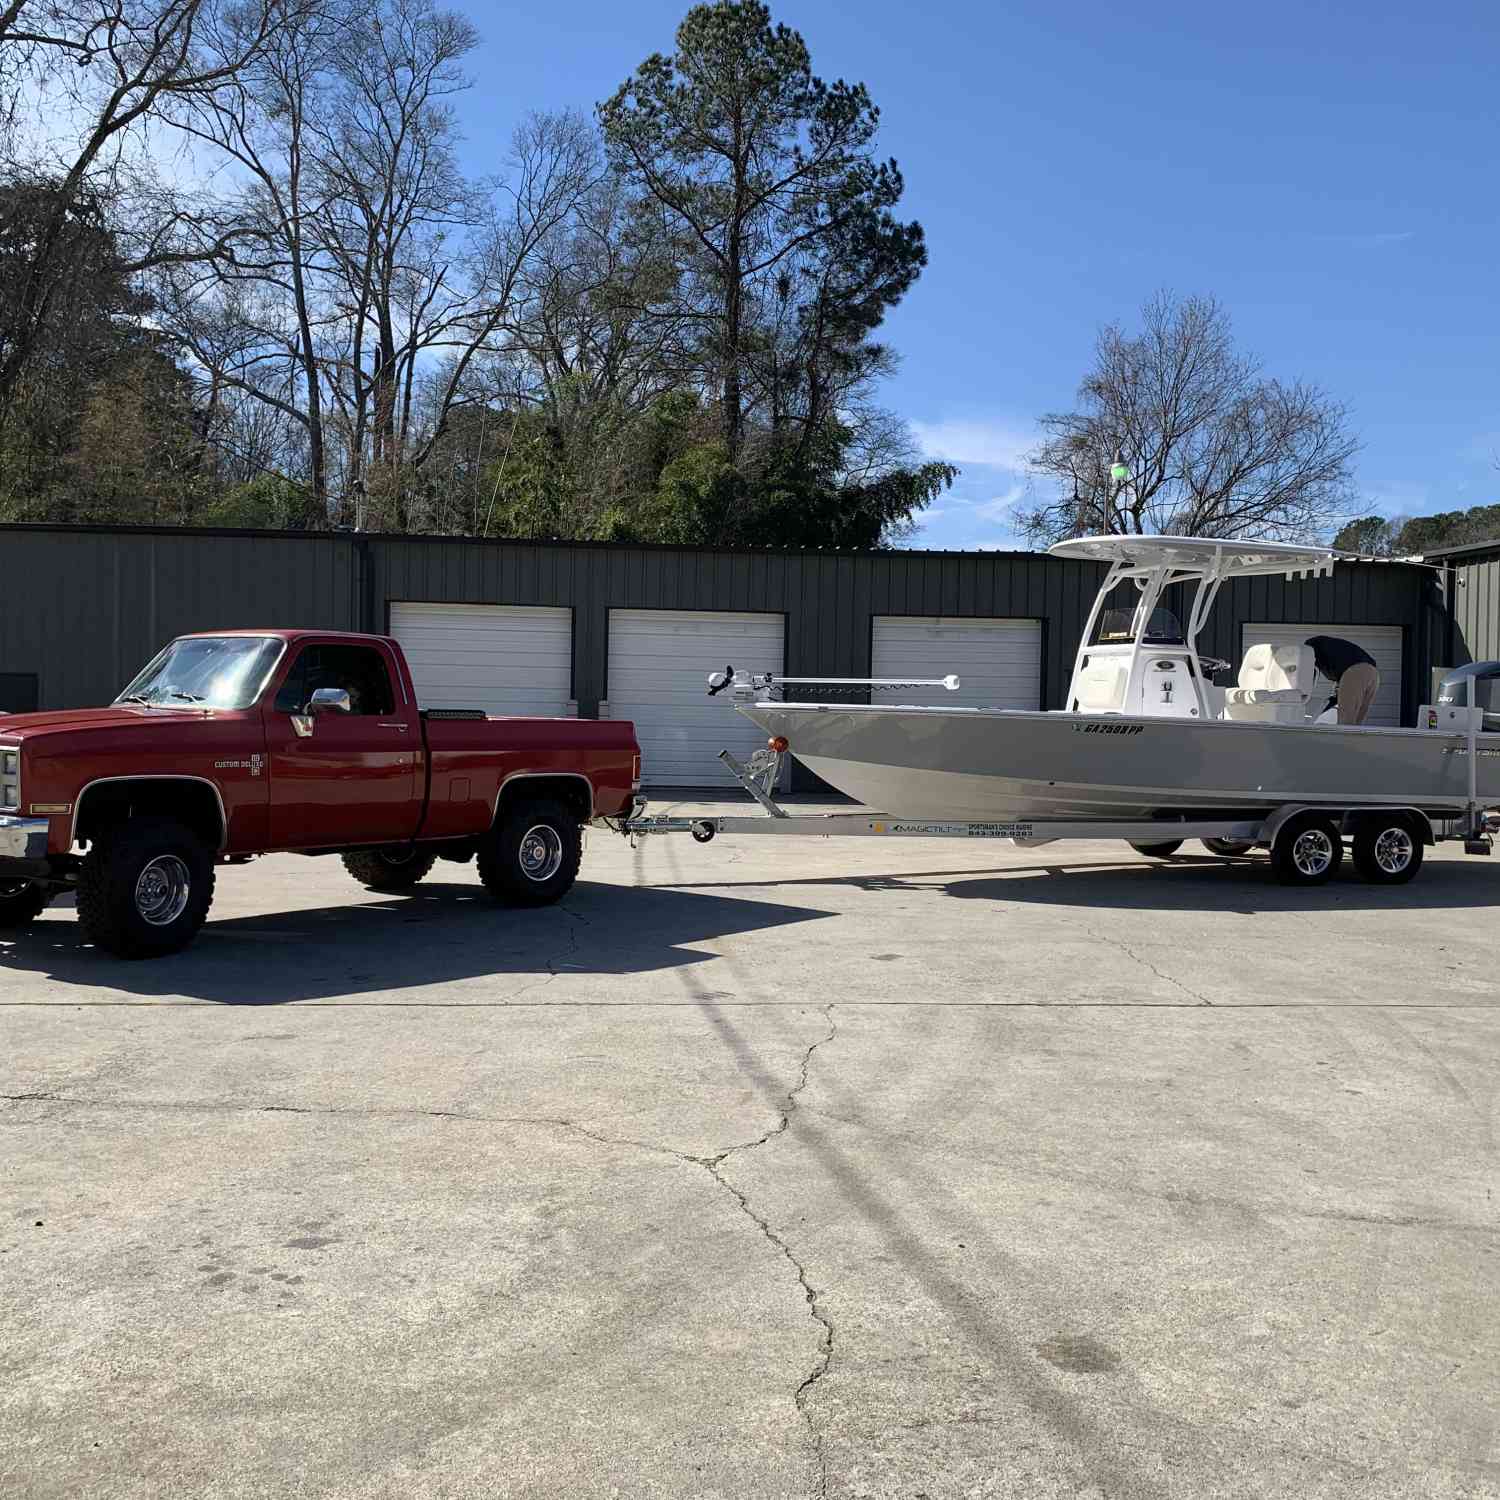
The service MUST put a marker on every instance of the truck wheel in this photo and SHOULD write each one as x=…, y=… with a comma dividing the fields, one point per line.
x=394, y=869
x=1387, y=851
x=22, y=902
x=1164, y=850
x=1308, y=850
x=531, y=856
x=145, y=888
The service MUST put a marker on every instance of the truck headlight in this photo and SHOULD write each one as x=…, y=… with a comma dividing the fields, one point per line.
x=10, y=778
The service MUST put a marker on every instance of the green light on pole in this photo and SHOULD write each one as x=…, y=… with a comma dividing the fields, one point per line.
x=1119, y=470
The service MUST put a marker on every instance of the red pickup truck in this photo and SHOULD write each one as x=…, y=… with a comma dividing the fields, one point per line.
x=246, y=742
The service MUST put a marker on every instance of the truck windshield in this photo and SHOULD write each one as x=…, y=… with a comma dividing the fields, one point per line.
x=226, y=671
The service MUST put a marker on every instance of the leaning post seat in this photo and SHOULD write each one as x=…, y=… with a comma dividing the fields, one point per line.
x=1276, y=685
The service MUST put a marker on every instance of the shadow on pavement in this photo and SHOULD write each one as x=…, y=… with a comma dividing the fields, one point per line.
x=1187, y=883
x=434, y=935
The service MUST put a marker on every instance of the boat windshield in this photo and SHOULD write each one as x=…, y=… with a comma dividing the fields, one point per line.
x=1116, y=627
x=211, y=671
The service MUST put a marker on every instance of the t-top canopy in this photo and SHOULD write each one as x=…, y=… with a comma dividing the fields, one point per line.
x=1199, y=555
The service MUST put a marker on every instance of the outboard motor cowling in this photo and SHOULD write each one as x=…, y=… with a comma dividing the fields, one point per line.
x=1485, y=675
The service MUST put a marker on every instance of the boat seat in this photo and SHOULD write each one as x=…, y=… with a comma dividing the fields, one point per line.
x=1275, y=685
x=1101, y=685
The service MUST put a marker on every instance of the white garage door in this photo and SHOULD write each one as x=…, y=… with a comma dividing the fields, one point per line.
x=659, y=661
x=1383, y=642
x=998, y=662
x=505, y=659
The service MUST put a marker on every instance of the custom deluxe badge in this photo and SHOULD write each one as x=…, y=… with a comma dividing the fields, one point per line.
x=253, y=765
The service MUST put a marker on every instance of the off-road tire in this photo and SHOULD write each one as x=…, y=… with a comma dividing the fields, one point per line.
x=1387, y=851
x=21, y=903
x=1163, y=850
x=116, y=901
x=395, y=869
x=1296, y=864
x=531, y=856
x=1228, y=848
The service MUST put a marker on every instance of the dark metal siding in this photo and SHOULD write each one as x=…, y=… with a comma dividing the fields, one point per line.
x=82, y=608
x=1476, y=612
x=827, y=599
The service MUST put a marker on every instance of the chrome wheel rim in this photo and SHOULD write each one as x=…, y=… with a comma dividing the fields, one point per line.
x=162, y=890
x=1393, y=850
x=1312, y=852
x=541, y=853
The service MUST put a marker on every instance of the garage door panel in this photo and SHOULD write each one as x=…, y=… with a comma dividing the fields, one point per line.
x=659, y=661
x=1383, y=642
x=505, y=659
x=997, y=661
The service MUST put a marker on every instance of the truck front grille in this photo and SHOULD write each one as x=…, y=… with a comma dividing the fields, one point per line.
x=10, y=780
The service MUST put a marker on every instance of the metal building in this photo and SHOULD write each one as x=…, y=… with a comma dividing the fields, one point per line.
x=1471, y=582
x=631, y=631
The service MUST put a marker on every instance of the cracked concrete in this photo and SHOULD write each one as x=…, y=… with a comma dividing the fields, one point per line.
x=761, y=1170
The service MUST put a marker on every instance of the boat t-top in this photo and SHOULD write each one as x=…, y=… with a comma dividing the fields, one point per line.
x=1148, y=747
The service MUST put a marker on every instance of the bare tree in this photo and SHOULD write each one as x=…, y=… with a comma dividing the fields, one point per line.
x=1210, y=445
x=251, y=319
x=116, y=63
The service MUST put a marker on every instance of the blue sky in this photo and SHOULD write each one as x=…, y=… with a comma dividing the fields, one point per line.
x=1327, y=170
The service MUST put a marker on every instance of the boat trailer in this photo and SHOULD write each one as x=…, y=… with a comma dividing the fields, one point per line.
x=761, y=774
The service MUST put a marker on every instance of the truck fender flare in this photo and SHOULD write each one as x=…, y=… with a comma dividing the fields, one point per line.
x=213, y=786
x=543, y=776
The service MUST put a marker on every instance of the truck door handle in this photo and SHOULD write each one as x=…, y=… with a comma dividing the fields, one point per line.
x=387, y=724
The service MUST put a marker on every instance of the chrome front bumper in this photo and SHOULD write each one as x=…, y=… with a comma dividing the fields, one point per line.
x=23, y=839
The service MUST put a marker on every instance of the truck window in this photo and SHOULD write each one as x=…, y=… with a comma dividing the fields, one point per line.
x=359, y=670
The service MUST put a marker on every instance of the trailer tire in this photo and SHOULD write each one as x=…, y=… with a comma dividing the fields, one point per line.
x=1163, y=850
x=1308, y=850
x=531, y=856
x=21, y=903
x=396, y=868
x=1387, y=851
x=145, y=887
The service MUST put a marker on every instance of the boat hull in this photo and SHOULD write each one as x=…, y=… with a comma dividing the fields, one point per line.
x=977, y=765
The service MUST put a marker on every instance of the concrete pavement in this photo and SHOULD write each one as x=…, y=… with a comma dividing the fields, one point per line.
x=767, y=1168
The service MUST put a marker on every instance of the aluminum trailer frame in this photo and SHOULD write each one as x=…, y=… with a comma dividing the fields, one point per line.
x=759, y=775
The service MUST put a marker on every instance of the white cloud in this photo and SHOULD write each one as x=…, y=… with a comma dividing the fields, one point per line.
x=995, y=444
x=1000, y=507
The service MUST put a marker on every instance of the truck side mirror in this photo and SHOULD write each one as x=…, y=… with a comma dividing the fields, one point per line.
x=329, y=701
x=323, y=701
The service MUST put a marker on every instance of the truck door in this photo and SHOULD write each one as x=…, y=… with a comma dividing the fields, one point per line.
x=342, y=778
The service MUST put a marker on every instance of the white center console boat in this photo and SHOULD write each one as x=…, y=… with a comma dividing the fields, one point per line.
x=1149, y=747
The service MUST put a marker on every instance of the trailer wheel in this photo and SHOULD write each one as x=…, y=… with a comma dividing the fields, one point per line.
x=22, y=902
x=1387, y=851
x=531, y=856
x=396, y=868
x=1229, y=848
x=1163, y=850
x=1308, y=850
